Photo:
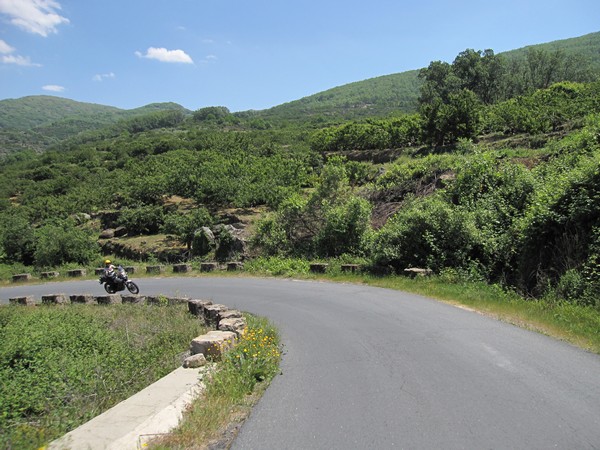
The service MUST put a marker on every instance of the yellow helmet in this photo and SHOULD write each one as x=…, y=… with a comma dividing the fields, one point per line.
x=107, y=261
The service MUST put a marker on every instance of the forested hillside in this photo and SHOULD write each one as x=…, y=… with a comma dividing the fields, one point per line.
x=492, y=177
x=38, y=122
x=389, y=94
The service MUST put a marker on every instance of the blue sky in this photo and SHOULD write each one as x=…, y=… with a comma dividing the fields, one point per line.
x=257, y=54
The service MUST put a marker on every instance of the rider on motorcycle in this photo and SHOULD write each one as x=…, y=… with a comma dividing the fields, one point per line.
x=111, y=272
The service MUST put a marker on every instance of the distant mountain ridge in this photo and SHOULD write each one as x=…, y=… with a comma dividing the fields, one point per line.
x=43, y=110
x=387, y=94
x=37, y=122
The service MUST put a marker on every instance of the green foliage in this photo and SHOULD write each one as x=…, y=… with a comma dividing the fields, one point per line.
x=272, y=236
x=427, y=233
x=404, y=131
x=17, y=239
x=278, y=266
x=557, y=232
x=185, y=225
x=255, y=358
x=217, y=114
x=143, y=220
x=376, y=97
x=330, y=222
x=59, y=367
x=61, y=242
x=346, y=228
x=545, y=110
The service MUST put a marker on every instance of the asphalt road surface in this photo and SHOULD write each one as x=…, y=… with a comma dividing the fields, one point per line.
x=371, y=368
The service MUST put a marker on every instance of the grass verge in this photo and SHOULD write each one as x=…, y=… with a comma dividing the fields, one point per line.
x=59, y=367
x=231, y=391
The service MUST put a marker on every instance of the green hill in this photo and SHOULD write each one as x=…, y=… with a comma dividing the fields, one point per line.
x=378, y=96
x=387, y=94
x=37, y=122
x=42, y=110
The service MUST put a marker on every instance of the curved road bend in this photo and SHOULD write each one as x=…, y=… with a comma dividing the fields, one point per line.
x=368, y=368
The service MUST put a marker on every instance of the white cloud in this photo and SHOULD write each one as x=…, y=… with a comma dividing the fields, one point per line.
x=53, y=88
x=209, y=59
x=18, y=60
x=7, y=58
x=5, y=48
x=164, y=55
x=34, y=16
x=103, y=76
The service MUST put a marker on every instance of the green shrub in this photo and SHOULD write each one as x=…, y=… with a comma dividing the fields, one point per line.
x=184, y=226
x=346, y=228
x=271, y=236
x=558, y=230
x=427, y=233
x=278, y=266
x=17, y=239
x=62, y=243
x=142, y=220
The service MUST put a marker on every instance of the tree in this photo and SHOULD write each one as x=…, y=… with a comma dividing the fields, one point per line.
x=17, y=239
x=480, y=72
x=211, y=114
x=184, y=226
x=61, y=243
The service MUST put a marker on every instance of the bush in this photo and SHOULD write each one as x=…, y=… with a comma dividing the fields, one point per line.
x=346, y=228
x=17, y=239
x=184, y=226
x=142, y=220
x=427, y=233
x=271, y=236
x=63, y=243
x=559, y=229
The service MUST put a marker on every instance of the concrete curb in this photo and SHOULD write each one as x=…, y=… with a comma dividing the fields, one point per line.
x=155, y=410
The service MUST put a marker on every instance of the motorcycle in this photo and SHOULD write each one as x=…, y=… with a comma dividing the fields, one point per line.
x=115, y=282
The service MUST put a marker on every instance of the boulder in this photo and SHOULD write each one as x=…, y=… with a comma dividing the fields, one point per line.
x=213, y=344
x=82, y=298
x=232, y=266
x=182, y=268
x=109, y=233
x=229, y=314
x=55, y=299
x=231, y=245
x=196, y=307
x=204, y=241
x=208, y=266
x=416, y=271
x=211, y=313
x=155, y=269
x=49, y=274
x=21, y=277
x=28, y=300
x=109, y=299
x=120, y=232
x=234, y=324
x=194, y=361
x=133, y=299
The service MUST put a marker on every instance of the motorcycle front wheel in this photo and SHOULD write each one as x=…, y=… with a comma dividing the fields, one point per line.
x=132, y=287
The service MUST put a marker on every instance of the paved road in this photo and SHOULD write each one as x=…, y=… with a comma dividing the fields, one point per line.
x=368, y=368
